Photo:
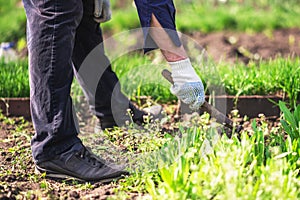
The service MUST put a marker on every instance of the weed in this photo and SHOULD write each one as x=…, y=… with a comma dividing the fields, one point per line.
x=291, y=125
x=261, y=166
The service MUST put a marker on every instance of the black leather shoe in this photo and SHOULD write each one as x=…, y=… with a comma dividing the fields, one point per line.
x=81, y=165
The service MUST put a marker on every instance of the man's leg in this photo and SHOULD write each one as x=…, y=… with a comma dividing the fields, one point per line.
x=103, y=93
x=50, y=46
x=56, y=149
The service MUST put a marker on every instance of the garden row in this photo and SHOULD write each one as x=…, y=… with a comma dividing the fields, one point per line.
x=189, y=161
x=140, y=77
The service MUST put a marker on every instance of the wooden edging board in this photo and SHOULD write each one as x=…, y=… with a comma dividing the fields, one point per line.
x=251, y=106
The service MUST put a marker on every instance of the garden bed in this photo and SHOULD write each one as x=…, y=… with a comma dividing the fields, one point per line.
x=251, y=105
x=262, y=157
x=264, y=77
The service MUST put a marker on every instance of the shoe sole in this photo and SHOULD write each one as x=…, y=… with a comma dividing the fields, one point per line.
x=55, y=175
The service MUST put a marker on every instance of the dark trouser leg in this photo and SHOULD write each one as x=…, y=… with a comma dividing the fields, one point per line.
x=50, y=33
x=100, y=84
x=164, y=11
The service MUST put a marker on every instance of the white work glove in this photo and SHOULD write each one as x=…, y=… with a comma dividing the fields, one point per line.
x=102, y=11
x=187, y=86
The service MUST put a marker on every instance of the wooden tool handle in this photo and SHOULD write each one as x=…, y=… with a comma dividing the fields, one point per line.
x=167, y=75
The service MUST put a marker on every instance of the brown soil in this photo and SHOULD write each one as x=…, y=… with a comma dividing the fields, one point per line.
x=18, y=181
x=17, y=177
x=232, y=46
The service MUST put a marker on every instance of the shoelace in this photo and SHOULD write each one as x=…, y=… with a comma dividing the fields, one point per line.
x=90, y=157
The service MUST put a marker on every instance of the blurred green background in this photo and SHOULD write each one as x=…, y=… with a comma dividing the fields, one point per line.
x=192, y=15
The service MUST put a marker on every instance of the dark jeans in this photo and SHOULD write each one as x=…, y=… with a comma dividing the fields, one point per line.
x=60, y=34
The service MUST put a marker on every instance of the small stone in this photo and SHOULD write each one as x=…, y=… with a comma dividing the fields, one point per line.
x=8, y=159
x=32, y=197
x=74, y=194
x=10, y=178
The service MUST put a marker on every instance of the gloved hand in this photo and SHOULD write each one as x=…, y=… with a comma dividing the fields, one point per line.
x=102, y=11
x=187, y=86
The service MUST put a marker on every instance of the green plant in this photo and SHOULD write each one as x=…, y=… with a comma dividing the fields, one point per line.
x=291, y=125
x=291, y=121
x=263, y=164
x=14, y=79
x=232, y=170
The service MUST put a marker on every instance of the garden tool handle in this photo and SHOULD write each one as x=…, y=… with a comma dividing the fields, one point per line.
x=220, y=117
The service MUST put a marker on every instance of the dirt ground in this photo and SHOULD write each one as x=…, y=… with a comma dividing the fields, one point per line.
x=16, y=166
x=18, y=180
x=232, y=46
x=17, y=177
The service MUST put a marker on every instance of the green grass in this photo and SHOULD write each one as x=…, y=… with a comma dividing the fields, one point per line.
x=14, y=79
x=12, y=21
x=265, y=77
x=140, y=77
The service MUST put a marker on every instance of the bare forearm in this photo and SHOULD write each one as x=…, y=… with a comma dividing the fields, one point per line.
x=171, y=52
